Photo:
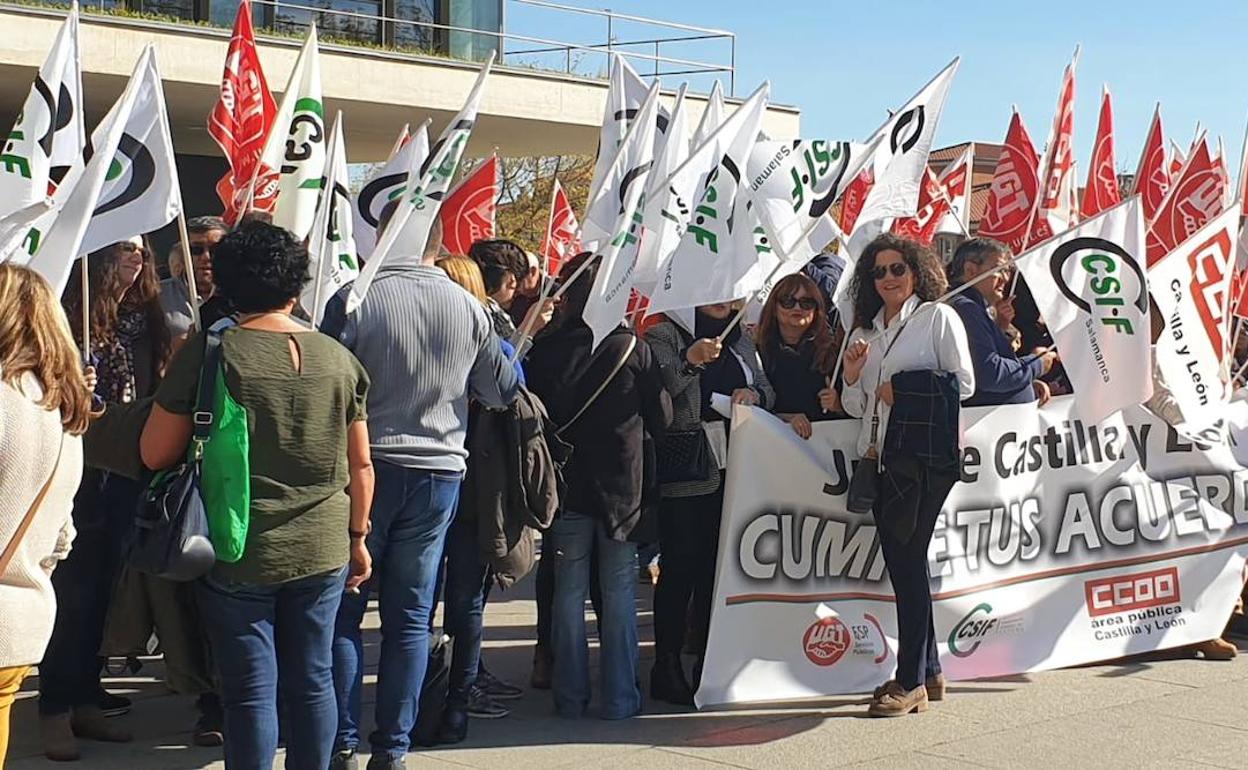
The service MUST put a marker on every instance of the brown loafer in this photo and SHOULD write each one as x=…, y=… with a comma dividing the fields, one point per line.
x=897, y=702
x=936, y=686
x=1216, y=649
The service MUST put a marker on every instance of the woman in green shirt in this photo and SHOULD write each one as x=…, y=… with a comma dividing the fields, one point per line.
x=272, y=612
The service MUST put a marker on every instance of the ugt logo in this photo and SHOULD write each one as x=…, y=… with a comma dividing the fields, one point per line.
x=1114, y=277
x=826, y=641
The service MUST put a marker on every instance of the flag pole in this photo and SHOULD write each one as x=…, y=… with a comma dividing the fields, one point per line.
x=188, y=266
x=547, y=278
x=86, y=312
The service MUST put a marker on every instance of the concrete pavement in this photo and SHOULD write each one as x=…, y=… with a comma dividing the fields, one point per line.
x=1166, y=711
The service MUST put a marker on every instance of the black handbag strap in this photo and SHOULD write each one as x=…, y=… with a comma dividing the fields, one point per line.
x=628, y=351
x=202, y=418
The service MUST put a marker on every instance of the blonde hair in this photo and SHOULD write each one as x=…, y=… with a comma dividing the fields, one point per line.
x=35, y=337
x=467, y=273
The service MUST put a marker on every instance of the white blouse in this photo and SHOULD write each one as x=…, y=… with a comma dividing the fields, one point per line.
x=934, y=340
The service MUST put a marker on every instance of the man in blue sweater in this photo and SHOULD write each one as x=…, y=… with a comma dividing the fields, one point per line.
x=1001, y=375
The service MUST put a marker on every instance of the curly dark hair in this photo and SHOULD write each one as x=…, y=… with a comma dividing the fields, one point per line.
x=497, y=258
x=258, y=267
x=108, y=299
x=929, y=275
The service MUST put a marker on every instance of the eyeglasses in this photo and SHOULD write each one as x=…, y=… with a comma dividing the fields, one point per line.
x=898, y=269
x=805, y=303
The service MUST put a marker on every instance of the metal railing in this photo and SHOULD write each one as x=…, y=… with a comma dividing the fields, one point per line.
x=655, y=47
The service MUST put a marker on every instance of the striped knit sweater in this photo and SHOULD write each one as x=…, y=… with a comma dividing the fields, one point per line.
x=427, y=345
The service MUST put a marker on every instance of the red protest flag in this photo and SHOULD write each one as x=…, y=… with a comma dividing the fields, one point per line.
x=1012, y=195
x=1102, y=191
x=1152, y=176
x=468, y=213
x=1193, y=200
x=1054, y=212
x=1177, y=159
x=855, y=197
x=563, y=241
x=242, y=116
x=937, y=200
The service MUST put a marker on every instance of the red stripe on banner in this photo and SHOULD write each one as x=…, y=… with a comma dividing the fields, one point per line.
x=1061, y=572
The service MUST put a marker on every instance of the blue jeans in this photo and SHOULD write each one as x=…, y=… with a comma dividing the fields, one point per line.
x=465, y=601
x=574, y=537
x=260, y=633
x=412, y=509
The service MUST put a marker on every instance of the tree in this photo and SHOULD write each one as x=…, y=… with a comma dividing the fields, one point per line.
x=524, y=204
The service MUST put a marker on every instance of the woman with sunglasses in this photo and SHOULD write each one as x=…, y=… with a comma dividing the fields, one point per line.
x=899, y=336
x=129, y=343
x=798, y=352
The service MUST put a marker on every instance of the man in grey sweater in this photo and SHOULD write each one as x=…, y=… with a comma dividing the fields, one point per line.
x=428, y=347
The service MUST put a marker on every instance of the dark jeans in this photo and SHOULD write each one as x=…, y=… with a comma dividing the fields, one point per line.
x=545, y=589
x=917, y=657
x=466, y=580
x=688, y=539
x=412, y=509
x=261, y=633
x=69, y=675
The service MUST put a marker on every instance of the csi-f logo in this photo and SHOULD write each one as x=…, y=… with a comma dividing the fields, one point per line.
x=129, y=175
x=717, y=203
x=1113, y=276
x=817, y=175
x=976, y=626
x=908, y=130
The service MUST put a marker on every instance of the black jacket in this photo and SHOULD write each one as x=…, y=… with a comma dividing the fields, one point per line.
x=609, y=475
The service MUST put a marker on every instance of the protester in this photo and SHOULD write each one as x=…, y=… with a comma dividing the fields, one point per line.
x=906, y=357
x=529, y=288
x=311, y=481
x=826, y=270
x=504, y=267
x=428, y=346
x=1001, y=375
x=203, y=234
x=691, y=461
x=467, y=578
x=130, y=344
x=606, y=401
x=45, y=406
x=798, y=353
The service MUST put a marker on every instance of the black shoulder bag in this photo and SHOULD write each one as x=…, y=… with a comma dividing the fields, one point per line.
x=169, y=538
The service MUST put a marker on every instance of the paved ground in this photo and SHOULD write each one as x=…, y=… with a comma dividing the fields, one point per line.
x=1162, y=712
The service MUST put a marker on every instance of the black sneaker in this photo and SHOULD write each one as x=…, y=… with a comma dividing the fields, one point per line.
x=112, y=705
x=210, y=727
x=496, y=688
x=482, y=706
x=344, y=760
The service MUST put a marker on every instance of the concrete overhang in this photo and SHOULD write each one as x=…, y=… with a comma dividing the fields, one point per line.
x=524, y=111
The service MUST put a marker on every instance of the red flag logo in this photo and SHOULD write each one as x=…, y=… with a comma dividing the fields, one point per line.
x=1054, y=213
x=1195, y=199
x=1102, y=189
x=1013, y=191
x=1152, y=178
x=563, y=237
x=855, y=197
x=469, y=211
x=936, y=201
x=1210, y=262
x=244, y=112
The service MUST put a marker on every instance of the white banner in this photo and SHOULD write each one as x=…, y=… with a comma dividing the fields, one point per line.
x=331, y=245
x=385, y=186
x=1065, y=543
x=1192, y=289
x=1090, y=288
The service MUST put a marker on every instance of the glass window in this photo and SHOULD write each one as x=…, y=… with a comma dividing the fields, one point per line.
x=178, y=9
x=354, y=21
x=408, y=32
x=485, y=15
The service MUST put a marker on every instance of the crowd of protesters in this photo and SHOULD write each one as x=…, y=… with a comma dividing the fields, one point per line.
x=382, y=466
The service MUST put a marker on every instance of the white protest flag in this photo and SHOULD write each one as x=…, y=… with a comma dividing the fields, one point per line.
x=718, y=252
x=669, y=204
x=667, y=159
x=293, y=161
x=331, y=246
x=49, y=134
x=56, y=240
x=385, y=186
x=793, y=185
x=625, y=96
x=407, y=232
x=141, y=191
x=608, y=299
x=1090, y=288
x=1193, y=294
x=712, y=117
x=904, y=143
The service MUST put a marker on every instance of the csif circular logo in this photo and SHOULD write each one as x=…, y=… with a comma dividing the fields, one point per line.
x=1113, y=276
x=969, y=632
x=826, y=641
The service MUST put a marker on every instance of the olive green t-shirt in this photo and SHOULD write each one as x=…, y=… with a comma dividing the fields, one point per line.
x=297, y=424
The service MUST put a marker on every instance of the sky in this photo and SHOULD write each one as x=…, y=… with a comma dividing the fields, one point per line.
x=844, y=63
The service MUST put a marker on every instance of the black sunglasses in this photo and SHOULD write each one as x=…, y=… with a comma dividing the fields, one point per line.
x=805, y=303
x=898, y=269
